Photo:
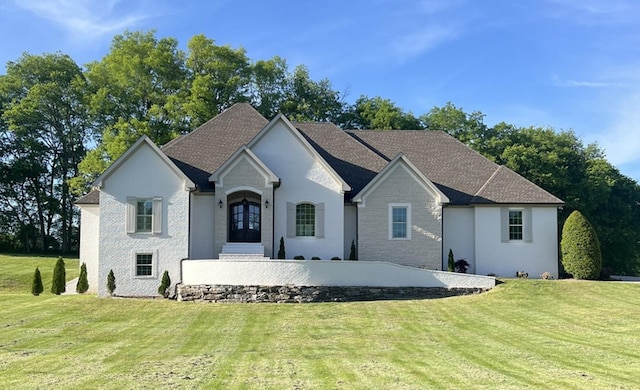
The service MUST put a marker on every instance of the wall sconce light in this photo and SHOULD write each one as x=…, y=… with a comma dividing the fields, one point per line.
x=266, y=204
x=220, y=203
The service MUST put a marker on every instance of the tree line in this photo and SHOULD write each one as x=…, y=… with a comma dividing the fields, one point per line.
x=62, y=124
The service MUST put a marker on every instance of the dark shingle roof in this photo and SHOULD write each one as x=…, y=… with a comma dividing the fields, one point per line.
x=461, y=173
x=201, y=152
x=92, y=197
x=356, y=164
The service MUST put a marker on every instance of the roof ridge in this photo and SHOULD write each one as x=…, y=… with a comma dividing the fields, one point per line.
x=486, y=183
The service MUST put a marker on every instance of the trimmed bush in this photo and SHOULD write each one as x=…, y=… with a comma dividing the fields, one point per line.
x=164, y=284
x=315, y=258
x=581, y=256
x=36, y=287
x=83, y=283
x=451, y=264
x=281, y=252
x=461, y=266
x=58, y=284
x=298, y=257
x=111, y=282
x=336, y=258
x=352, y=254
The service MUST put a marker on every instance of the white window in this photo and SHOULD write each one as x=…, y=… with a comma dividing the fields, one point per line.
x=144, y=264
x=399, y=221
x=515, y=225
x=305, y=219
x=144, y=215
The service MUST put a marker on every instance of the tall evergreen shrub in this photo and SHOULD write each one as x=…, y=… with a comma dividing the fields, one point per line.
x=281, y=253
x=83, y=282
x=164, y=284
x=36, y=287
x=451, y=263
x=352, y=254
x=581, y=256
x=58, y=284
x=111, y=282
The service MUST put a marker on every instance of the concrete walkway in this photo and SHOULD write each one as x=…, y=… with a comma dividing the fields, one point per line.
x=70, y=287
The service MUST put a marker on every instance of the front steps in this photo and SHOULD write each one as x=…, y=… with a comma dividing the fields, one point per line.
x=242, y=251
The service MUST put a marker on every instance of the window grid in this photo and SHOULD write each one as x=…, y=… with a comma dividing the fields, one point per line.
x=399, y=222
x=144, y=215
x=305, y=220
x=515, y=225
x=144, y=264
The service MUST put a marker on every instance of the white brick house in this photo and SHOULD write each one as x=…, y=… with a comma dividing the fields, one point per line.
x=405, y=197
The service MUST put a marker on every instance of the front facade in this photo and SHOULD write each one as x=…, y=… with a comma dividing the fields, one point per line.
x=239, y=184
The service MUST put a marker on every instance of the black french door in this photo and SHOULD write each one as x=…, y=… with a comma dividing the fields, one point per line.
x=244, y=221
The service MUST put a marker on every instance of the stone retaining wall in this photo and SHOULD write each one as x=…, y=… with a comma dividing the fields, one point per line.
x=305, y=294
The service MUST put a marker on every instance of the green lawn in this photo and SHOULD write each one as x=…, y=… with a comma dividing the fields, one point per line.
x=522, y=334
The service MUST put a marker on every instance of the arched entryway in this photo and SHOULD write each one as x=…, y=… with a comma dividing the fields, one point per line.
x=245, y=220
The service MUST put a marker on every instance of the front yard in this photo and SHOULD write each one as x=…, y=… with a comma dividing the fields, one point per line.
x=524, y=333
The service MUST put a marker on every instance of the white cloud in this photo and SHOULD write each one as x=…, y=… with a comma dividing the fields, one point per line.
x=86, y=19
x=582, y=83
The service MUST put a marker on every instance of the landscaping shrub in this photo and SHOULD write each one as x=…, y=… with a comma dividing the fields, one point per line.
x=461, y=266
x=335, y=258
x=352, y=254
x=546, y=276
x=58, y=284
x=315, y=258
x=281, y=252
x=111, y=282
x=164, y=284
x=36, y=286
x=298, y=257
x=451, y=264
x=581, y=256
x=83, y=283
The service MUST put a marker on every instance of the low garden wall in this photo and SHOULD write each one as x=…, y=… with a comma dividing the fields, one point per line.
x=305, y=294
x=253, y=272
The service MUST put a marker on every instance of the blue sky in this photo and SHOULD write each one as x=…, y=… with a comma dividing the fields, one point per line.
x=568, y=64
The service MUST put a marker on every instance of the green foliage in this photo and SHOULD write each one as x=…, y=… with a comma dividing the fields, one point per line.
x=164, y=284
x=58, y=284
x=281, y=252
x=381, y=114
x=451, y=265
x=83, y=282
x=111, y=282
x=36, y=287
x=580, y=248
x=352, y=253
x=298, y=257
x=336, y=258
x=315, y=258
x=461, y=266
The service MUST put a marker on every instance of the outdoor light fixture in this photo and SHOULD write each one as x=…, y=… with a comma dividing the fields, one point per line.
x=220, y=203
x=266, y=204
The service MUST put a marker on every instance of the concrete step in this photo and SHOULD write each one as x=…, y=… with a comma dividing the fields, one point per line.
x=242, y=250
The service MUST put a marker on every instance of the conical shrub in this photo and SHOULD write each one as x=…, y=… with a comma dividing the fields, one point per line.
x=36, y=287
x=111, y=282
x=581, y=256
x=58, y=284
x=83, y=282
x=164, y=284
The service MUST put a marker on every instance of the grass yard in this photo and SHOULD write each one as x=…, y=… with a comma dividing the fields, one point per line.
x=523, y=334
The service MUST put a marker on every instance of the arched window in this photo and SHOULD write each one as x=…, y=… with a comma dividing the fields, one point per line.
x=305, y=220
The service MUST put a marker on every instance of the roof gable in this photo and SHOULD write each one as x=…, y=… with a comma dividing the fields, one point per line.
x=457, y=170
x=201, y=152
x=246, y=154
x=401, y=161
x=142, y=142
x=281, y=119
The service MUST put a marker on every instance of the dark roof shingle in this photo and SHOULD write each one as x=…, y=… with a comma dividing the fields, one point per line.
x=201, y=152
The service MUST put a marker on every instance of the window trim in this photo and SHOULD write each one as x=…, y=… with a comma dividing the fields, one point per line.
x=514, y=234
x=156, y=215
x=304, y=211
x=134, y=265
x=407, y=207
